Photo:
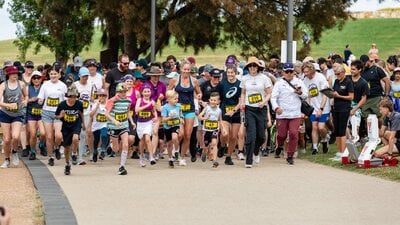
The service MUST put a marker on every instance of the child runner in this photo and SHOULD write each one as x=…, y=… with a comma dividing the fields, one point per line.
x=13, y=96
x=70, y=112
x=211, y=115
x=172, y=118
x=99, y=124
x=50, y=95
x=118, y=119
x=34, y=115
x=147, y=115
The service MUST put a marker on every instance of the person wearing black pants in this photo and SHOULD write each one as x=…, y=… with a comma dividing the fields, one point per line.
x=256, y=92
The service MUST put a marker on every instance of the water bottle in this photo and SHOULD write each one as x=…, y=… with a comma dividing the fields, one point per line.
x=242, y=116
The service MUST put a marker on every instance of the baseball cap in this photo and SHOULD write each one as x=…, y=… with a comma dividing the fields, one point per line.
x=127, y=77
x=216, y=72
x=78, y=62
x=83, y=71
x=72, y=91
x=288, y=66
x=91, y=62
x=36, y=73
x=101, y=91
x=29, y=64
x=8, y=63
x=208, y=68
x=397, y=69
x=230, y=61
x=132, y=65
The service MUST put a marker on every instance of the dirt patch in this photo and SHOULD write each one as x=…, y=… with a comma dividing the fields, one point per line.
x=19, y=195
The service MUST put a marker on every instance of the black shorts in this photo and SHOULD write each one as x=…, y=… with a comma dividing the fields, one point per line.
x=232, y=119
x=209, y=135
x=168, y=132
x=132, y=130
x=161, y=133
x=68, y=133
x=117, y=133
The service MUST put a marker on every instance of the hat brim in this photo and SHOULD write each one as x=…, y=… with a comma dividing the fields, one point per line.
x=154, y=74
x=257, y=63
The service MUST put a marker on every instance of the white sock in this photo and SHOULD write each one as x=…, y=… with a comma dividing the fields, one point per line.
x=124, y=155
x=315, y=146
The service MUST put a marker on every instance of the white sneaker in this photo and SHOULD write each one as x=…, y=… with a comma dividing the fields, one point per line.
x=338, y=157
x=142, y=162
x=240, y=156
x=248, y=166
x=81, y=162
x=257, y=159
x=5, y=165
x=303, y=151
x=295, y=154
x=182, y=162
x=15, y=159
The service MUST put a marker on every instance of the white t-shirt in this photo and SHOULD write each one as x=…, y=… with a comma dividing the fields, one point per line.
x=97, y=81
x=84, y=95
x=99, y=118
x=52, y=94
x=314, y=86
x=211, y=124
x=255, y=88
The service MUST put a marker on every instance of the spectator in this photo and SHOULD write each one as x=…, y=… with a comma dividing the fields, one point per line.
x=373, y=52
x=347, y=52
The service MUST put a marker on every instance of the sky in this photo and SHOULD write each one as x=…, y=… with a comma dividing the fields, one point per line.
x=8, y=28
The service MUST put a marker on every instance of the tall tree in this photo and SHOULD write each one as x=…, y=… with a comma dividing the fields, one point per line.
x=64, y=26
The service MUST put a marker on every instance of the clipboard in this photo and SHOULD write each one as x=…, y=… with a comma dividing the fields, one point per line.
x=328, y=92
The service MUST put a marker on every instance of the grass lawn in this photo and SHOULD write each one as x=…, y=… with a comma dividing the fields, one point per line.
x=388, y=173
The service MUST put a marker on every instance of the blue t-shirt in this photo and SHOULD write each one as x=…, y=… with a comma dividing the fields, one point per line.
x=166, y=110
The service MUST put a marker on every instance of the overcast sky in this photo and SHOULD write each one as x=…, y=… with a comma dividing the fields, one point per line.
x=8, y=28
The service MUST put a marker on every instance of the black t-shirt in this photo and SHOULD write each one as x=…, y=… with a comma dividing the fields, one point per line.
x=114, y=78
x=373, y=76
x=393, y=123
x=229, y=93
x=360, y=89
x=342, y=88
x=72, y=117
x=207, y=89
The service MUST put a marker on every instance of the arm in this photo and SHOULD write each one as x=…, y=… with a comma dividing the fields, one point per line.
x=392, y=141
x=139, y=108
x=94, y=110
x=2, y=104
x=359, y=104
x=83, y=119
x=387, y=85
x=201, y=115
x=197, y=88
x=24, y=89
x=242, y=98
x=382, y=131
x=345, y=97
x=172, y=84
x=155, y=116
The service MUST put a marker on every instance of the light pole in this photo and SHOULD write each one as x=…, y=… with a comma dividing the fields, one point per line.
x=289, y=50
x=153, y=30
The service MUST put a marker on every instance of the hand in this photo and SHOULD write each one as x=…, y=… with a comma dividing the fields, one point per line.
x=33, y=99
x=182, y=121
x=318, y=114
x=117, y=123
x=230, y=113
x=161, y=97
x=155, y=119
x=261, y=104
x=352, y=112
x=12, y=105
x=62, y=113
x=279, y=111
x=24, y=103
x=335, y=94
x=269, y=124
x=298, y=91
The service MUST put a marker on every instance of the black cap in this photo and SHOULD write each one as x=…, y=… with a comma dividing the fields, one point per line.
x=29, y=64
x=364, y=58
x=216, y=72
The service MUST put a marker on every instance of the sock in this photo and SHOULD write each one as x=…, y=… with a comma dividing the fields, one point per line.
x=33, y=150
x=13, y=151
x=7, y=159
x=124, y=155
x=315, y=146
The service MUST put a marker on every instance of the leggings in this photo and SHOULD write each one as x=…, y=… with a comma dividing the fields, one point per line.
x=290, y=126
x=193, y=142
x=100, y=134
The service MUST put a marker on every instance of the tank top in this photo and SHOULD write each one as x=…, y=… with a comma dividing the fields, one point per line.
x=185, y=97
x=13, y=96
x=34, y=108
x=99, y=118
x=146, y=114
x=120, y=113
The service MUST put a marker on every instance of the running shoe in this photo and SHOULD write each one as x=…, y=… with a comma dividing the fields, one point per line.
x=112, y=154
x=325, y=148
x=221, y=151
x=193, y=158
x=67, y=170
x=6, y=164
x=228, y=161
x=248, y=166
x=102, y=155
x=278, y=151
x=122, y=171
x=43, y=150
x=32, y=156
x=25, y=152
x=74, y=159
x=135, y=155
x=153, y=162
x=51, y=162
x=257, y=159
x=57, y=153
x=265, y=152
x=240, y=156
x=203, y=156
x=182, y=162
x=176, y=156
x=94, y=157
x=81, y=162
x=215, y=164
x=314, y=151
x=15, y=159
x=290, y=160
x=142, y=162
x=171, y=164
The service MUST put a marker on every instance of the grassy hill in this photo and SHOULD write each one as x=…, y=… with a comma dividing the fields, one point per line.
x=358, y=33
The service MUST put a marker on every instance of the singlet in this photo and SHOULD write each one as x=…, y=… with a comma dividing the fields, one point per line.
x=118, y=109
x=229, y=94
x=99, y=118
x=146, y=114
x=34, y=108
x=186, y=97
x=13, y=96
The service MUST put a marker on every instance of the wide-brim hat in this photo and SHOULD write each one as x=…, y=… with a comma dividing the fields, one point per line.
x=72, y=91
x=251, y=60
x=155, y=71
x=11, y=70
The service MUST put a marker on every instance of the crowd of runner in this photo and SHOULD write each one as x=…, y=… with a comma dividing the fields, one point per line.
x=148, y=111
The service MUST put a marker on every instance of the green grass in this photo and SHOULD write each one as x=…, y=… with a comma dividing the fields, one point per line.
x=358, y=33
x=388, y=173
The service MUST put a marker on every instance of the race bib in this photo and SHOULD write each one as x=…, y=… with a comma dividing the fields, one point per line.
x=12, y=109
x=101, y=118
x=255, y=98
x=52, y=102
x=121, y=117
x=211, y=125
x=185, y=107
x=144, y=114
x=85, y=104
x=396, y=94
x=313, y=92
x=36, y=111
x=70, y=118
x=173, y=122
x=229, y=108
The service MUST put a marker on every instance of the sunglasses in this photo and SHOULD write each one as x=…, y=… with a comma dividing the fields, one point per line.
x=29, y=67
x=36, y=78
x=125, y=63
x=289, y=71
x=253, y=65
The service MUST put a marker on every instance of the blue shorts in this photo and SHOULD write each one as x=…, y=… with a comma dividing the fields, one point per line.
x=5, y=118
x=322, y=119
x=188, y=115
x=49, y=117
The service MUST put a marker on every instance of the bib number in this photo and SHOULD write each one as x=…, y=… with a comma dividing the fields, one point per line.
x=101, y=118
x=185, y=107
x=121, y=117
x=36, y=111
x=13, y=109
x=396, y=94
x=144, y=114
x=313, y=92
x=52, y=102
x=255, y=98
x=173, y=122
x=229, y=108
x=211, y=125
x=85, y=104
x=69, y=118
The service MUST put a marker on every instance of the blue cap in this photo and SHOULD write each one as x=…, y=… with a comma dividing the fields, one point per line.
x=288, y=66
x=83, y=71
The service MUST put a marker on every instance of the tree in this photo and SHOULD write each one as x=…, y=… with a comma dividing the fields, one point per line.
x=64, y=26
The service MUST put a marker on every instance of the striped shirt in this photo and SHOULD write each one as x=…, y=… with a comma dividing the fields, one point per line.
x=119, y=109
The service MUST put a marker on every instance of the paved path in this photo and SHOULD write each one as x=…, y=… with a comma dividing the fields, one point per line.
x=271, y=193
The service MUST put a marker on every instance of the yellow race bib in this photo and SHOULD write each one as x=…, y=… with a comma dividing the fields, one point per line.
x=121, y=117
x=12, y=109
x=70, y=118
x=255, y=98
x=36, y=111
x=396, y=94
x=211, y=124
x=144, y=114
x=101, y=118
x=85, y=104
x=52, y=102
x=313, y=92
x=173, y=122
x=185, y=107
x=229, y=108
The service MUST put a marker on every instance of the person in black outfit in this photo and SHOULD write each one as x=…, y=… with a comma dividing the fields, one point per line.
x=115, y=75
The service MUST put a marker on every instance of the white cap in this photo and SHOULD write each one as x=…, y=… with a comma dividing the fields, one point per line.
x=132, y=65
